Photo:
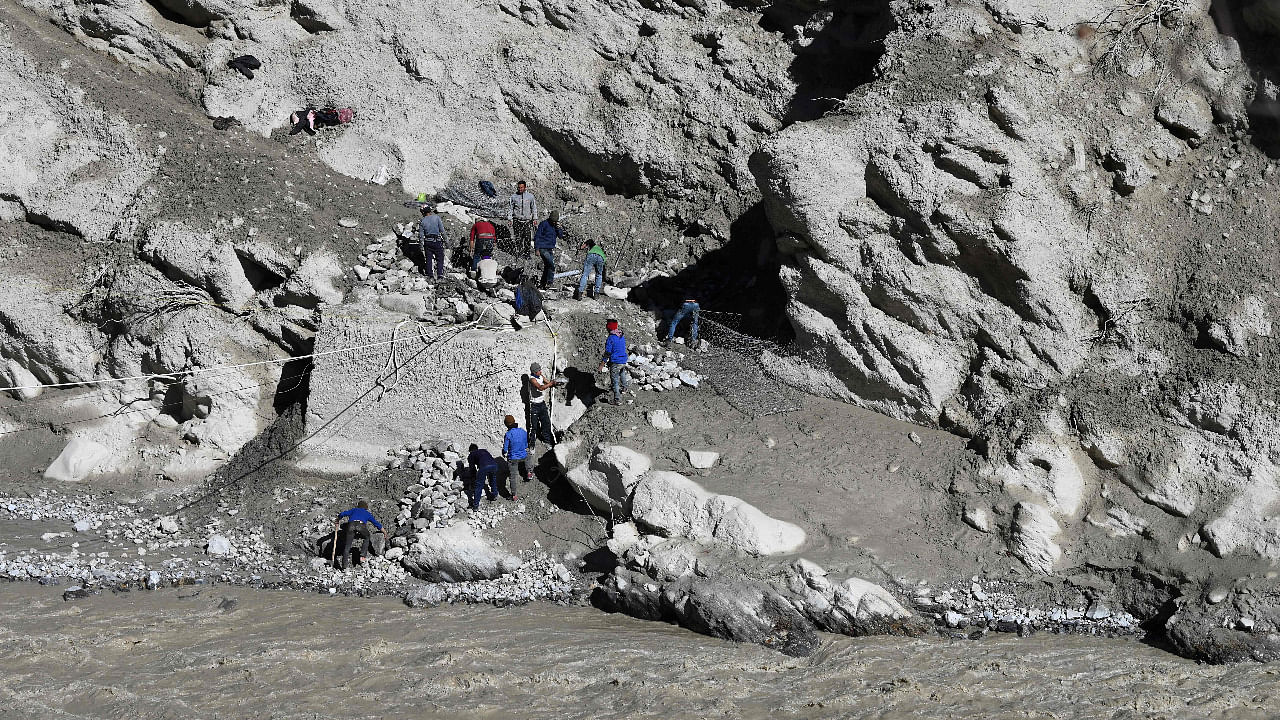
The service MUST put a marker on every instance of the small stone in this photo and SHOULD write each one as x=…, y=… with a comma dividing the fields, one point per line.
x=1098, y=611
x=168, y=524
x=913, y=437
x=688, y=377
x=1217, y=595
x=661, y=420
x=218, y=545
x=361, y=272
x=703, y=459
x=82, y=526
x=954, y=619
x=348, y=222
x=978, y=519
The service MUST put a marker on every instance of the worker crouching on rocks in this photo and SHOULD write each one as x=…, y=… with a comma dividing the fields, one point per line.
x=515, y=448
x=357, y=522
x=484, y=471
x=615, y=358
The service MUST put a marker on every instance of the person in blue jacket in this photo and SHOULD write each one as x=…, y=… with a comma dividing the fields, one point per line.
x=615, y=357
x=544, y=241
x=358, y=520
x=515, y=448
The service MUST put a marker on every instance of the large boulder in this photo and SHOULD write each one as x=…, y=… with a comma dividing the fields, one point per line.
x=77, y=460
x=199, y=259
x=457, y=553
x=607, y=479
x=672, y=505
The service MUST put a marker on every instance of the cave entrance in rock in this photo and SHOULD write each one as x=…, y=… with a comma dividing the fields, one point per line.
x=836, y=50
x=737, y=283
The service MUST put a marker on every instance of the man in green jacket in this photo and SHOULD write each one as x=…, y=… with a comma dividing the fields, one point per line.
x=595, y=260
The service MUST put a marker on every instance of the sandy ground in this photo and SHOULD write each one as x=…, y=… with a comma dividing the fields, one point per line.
x=217, y=652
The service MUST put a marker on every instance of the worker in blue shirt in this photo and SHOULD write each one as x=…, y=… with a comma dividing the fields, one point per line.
x=483, y=468
x=357, y=519
x=515, y=448
x=544, y=241
x=615, y=357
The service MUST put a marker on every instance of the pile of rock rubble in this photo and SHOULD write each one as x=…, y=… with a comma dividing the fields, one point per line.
x=439, y=494
x=658, y=370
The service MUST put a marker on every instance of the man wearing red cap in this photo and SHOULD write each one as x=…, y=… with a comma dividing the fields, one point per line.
x=615, y=357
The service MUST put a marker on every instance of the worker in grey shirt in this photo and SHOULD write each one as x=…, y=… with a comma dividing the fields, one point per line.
x=431, y=235
x=522, y=215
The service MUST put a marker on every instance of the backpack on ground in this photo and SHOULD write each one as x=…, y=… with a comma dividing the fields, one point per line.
x=488, y=189
x=528, y=299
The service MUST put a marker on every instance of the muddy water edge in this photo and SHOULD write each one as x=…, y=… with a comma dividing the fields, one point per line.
x=224, y=652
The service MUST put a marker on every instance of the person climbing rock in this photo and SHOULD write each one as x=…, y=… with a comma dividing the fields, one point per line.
x=539, y=414
x=690, y=309
x=245, y=65
x=357, y=522
x=515, y=448
x=594, y=260
x=431, y=235
x=522, y=213
x=544, y=241
x=615, y=358
x=483, y=237
x=484, y=471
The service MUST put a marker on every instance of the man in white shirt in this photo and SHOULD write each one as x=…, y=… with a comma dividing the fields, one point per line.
x=522, y=216
x=539, y=415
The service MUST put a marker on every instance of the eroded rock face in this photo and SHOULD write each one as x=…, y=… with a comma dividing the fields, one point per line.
x=994, y=251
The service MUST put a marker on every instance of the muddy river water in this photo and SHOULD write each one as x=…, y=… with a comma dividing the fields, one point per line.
x=225, y=652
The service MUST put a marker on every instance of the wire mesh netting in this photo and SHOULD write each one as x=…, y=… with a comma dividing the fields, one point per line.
x=733, y=364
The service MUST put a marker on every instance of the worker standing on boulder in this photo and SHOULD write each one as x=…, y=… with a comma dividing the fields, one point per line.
x=691, y=309
x=431, y=235
x=483, y=237
x=484, y=470
x=545, y=242
x=615, y=358
x=515, y=448
x=522, y=213
x=539, y=415
x=358, y=519
x=594, y=260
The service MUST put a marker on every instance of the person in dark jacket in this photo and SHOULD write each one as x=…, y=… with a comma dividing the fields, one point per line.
x=357, y=522
x=544, y=241
x=615, y=358
x=484, y=470
x=431, y=235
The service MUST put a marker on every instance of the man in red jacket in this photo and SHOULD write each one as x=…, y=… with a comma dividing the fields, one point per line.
x=483, y=237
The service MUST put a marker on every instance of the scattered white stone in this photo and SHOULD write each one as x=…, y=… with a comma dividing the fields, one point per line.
x=168, y=524
x=978, y=519
x=218, y=545
x=688, y=377
x=1217, y=595
x=913, y=437
x=703, y=459
x=82, y=526
x=348, y=222
x=661, y=419
x=954, y=619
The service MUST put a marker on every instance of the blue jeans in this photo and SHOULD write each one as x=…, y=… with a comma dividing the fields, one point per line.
x=689, y=308
x=435, y=251
x=596, y=262
x=484, y=473
x=618, y=378
x=548, y=265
